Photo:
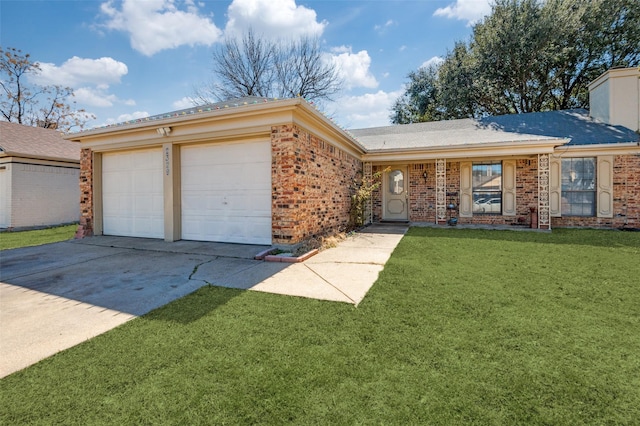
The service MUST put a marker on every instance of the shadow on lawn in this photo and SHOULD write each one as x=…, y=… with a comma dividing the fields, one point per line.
x=587, y=237
x=197, y=305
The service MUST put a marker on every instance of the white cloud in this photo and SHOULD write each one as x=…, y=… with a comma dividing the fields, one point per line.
x=93, y=97
x=98, y=97
x=368, y=110
x=155, y=25
x=353, y=67
x=436, y=60
x=381, y=28
x=78, y=71
x=272, y=18
x=89, y=79
x=466, y=10
x=126, y=117
x=183, y=103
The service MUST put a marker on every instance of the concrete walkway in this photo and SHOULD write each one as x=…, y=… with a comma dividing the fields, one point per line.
x=55, y=296
x=344, y=273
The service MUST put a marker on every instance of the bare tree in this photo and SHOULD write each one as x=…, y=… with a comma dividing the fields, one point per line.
x=32, y=104
x=241, y=68
x=254, y=66
x=302, y=70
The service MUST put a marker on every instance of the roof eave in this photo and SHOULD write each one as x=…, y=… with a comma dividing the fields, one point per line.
x=38, y=157
x=218, y=114
x=604, y=148
x=508, y=148
x=296, y=107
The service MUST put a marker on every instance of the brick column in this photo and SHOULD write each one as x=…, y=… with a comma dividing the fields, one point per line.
x=85, y=229
x=287, y=180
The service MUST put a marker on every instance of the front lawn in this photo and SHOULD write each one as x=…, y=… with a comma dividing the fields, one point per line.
x=462, y=327
x=9, y=240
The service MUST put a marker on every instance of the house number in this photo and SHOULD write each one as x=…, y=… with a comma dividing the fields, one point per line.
x=167, y=162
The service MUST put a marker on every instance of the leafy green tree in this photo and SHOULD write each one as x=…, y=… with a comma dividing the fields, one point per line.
x=419, y=101
x=30, y=104
x=531, y=55
x=457, y=85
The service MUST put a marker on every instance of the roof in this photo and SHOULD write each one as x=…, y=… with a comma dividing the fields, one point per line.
x=36, y=142
x=230, y=103
x=575, y=125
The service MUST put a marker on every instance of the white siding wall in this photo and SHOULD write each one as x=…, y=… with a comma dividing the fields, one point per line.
x=599, y=105
x=44, y=195
x=5, y=196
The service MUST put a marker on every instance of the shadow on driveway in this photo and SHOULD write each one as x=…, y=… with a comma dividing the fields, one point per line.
x=132, y=275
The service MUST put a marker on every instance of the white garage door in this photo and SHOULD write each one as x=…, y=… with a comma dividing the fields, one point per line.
x=132, y=194
x=226, y=192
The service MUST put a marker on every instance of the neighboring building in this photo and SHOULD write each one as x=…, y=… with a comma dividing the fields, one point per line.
x=278, y=172
x=39, y=177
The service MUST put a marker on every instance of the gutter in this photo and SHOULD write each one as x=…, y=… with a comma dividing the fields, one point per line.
x=545, y=146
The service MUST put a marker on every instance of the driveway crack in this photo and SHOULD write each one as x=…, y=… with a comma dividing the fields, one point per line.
x=195, y=268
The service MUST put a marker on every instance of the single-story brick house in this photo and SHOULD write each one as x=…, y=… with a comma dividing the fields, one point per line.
x=268, y=171
x=39, y=173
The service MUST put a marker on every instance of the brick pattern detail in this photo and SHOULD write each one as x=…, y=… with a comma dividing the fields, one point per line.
x=422, y=193
x=312, y=181
x=526, y=198
x=85, y=229
x=377, y=198
x=626, y=199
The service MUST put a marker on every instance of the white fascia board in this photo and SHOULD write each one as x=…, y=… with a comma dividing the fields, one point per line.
x=503, y=149
x=629, y=148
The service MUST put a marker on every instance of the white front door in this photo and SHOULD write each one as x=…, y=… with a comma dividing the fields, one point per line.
x=395, y=196
x=226, y=192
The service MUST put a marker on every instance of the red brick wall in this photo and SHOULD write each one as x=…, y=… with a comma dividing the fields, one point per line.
x=422, y=194
x=85, y=229
x=626, y=199
x=526, y=197
x=422, y=202
x=311, y=185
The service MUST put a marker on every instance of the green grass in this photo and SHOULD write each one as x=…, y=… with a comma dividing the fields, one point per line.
x=9, y=240
x=462, y=327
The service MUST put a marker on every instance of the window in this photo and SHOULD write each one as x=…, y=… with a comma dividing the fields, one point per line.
x=579, y=186
x=487, y=187
x=396, y=182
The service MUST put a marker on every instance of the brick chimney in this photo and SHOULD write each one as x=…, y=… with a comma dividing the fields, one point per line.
x=614, y=97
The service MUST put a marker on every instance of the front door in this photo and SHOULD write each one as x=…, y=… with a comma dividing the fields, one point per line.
x=395, y=197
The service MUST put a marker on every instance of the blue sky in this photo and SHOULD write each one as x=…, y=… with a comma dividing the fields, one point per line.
x=128, y=59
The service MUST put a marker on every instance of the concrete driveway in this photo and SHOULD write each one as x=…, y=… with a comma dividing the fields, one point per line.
x=57, y=295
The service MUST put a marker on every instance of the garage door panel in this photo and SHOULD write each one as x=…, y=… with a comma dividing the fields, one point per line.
x=226, y=192
x=231, y=230
x=132, y=190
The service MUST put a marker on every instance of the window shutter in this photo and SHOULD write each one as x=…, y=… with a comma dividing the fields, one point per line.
x=466, y=190
x=555, y=186
x=509, y=187
x=604, y=173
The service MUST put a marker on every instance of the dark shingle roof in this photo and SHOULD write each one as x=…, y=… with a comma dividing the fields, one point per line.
x=575, y=125
x=36, y=142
